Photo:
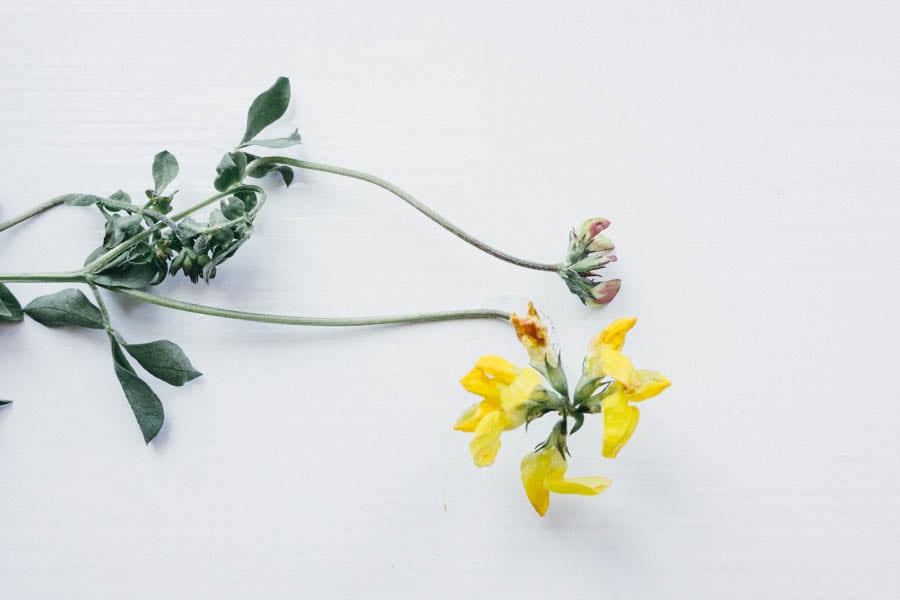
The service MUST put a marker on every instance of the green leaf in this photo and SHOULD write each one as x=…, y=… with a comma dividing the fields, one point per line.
x=267, y=108
x=133, y=276
x=145, y=404
x=230, y=171
x=287, y=174
x=80, y=199
x=285, y=142
x=10, y=309
x=260, y=171
x=120, y=228
x=68, y=307
x=120, y=196
x=164, y=360
x=165, y=169
x=5, y=402
x=232, y=208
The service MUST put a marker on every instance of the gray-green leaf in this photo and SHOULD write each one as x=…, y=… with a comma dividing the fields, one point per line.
x=145, y=404
x=285, y=142
x=164, y=360
x=133, y=276
x=81, y=199
x=10, y=309
x=165, y=169
x=68, y=307
x=267, y=108
x=230, y=170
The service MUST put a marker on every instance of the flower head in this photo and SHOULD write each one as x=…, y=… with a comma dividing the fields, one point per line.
x=512, y=396
x=544, y=472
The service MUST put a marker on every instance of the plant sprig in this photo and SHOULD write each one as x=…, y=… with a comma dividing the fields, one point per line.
x=146, y=242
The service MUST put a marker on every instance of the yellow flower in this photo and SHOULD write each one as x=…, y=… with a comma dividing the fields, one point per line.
x=544, y=472
x=505, y=389
x=605, y=359
x=536, y=338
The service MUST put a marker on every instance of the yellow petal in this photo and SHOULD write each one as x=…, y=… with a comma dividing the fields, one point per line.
x=649, y=384
x=614, y=334
x=486, y=443
x=535, y=467
x=619, y=367
x=470, y=419
x=498, y=367
x=480, y=384
x=585, y=486
x=619, y=421
x=518, y=393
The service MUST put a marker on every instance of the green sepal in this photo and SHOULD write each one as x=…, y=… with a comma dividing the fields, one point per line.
x=164, y=360
x=145, y=404
x=10, y=309
x=5, y=402
x=292, y=140
x=231, y=170
x=579, y=421
x=267, y=108
x=68, y=307
x=165, y=170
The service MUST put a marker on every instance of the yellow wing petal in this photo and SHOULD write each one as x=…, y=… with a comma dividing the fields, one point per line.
x=535, y=467
x=486, y=443
x=520, y=390
x=480, y=384
x=614, y=334
x=619, y=367
x=649, y=384
x=470, y=419
x=619, y=421
x=585, y=486
x=498, y=367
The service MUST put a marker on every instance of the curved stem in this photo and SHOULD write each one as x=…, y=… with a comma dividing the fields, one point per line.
x=409, y=199
x=311, y=321
x=44, y=206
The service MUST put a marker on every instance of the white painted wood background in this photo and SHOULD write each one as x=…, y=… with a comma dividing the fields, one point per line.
x=747, y=154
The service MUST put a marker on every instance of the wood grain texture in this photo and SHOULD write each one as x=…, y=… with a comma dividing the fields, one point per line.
x=747, y=156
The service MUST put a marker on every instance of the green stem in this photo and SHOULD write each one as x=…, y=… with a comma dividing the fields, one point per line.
x=312, y=321
x=103, y=312
x=72, y=276
x=44, y=206
x=409, y=199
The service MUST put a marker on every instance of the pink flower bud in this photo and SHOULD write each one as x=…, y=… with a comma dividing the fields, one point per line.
x=604, y=292
x=600, y=243
x=592, y=227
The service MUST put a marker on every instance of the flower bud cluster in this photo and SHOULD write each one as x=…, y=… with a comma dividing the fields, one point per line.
x=588, y=253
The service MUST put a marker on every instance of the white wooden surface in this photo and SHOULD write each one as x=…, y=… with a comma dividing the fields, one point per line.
x=747, y=154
